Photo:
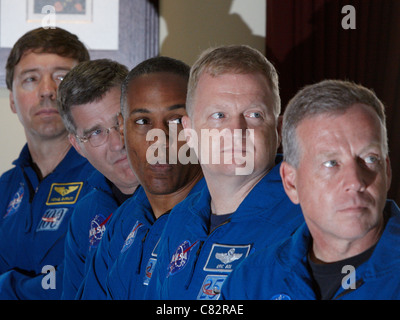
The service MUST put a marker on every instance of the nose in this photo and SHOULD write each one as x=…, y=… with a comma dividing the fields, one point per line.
x=115, y=139
x=48, y=88
x=355, y=177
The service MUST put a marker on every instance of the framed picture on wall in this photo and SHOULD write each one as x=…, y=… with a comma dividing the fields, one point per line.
x=123, y=30
x=72, y=11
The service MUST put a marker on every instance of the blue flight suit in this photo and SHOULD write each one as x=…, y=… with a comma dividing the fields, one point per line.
x=132, y=271
x=33, y=223
x=281, y=272
x=87, y=226
x=193, y=261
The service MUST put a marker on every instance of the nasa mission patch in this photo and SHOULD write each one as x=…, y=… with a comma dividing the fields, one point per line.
x=14, y=204
x=180, y=257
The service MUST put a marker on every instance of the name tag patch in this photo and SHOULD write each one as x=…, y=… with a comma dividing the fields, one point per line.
x=149, y=271
x=64, y=193
x=224, y=258
x=52, y=219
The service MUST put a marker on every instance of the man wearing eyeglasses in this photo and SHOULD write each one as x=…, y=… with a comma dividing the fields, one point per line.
x=89, y=103
x=153, y=100
x=39, y=194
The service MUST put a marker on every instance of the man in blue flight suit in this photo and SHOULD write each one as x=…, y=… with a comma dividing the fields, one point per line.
x=89, y=103
x=152, y=101
x=39, y=194
x=233, y=100
x=337, y=167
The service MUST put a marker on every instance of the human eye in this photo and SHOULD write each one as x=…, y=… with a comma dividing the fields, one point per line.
x=372, y=159
x=59, y=76
x=175, y=121
x=142, y=121
x=255, y=114
x=95, y=133
x=29, y=78
x=218, y=115
x=330, y=163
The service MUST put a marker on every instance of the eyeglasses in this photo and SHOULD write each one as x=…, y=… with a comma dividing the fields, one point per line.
x=98, y=137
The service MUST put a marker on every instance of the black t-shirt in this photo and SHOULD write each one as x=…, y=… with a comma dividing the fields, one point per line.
x=217, y=220
x=328, y=277
x=121, y=197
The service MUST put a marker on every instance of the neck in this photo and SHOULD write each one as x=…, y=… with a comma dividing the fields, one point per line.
x=48, y=154
x=228, y=192
x=328, y=250
x=165, y=202
x=128, y=189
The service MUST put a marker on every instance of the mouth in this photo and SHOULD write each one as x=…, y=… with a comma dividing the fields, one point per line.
x=47, y=112
x=121, y=160
x=161, y=167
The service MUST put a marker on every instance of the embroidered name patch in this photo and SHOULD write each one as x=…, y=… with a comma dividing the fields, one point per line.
x=224, y=258
x=52, y=219
x=64, y=193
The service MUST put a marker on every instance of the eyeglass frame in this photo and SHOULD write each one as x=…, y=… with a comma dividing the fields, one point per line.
x=107, y=134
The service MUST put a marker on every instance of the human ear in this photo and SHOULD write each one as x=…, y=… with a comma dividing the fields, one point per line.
x=75, y=144
x=288, y=175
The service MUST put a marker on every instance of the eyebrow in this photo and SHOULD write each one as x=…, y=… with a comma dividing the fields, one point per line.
x=38, y=69
x=95, y=127
x=170, y=108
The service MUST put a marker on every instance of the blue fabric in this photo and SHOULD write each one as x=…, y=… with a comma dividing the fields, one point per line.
x=193, y=263
x=34, y=219
x=131, y=237
x=281, y=271
x=87, y=226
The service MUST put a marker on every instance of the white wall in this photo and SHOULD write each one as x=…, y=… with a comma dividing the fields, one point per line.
x=12, y=136
x=186, y=28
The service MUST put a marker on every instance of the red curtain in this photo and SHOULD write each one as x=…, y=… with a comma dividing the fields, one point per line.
x=307, y=43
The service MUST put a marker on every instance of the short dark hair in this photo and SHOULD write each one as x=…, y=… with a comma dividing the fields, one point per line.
x=41, y=40
x=88, y=82
x=154, y=65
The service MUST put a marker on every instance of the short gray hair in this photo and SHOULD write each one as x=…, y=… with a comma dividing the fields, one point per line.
x=328, y=96
x=240, y=59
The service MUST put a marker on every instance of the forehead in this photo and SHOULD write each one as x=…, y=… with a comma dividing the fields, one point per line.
x=232, y=88
x=34, y=60
x=98, y=111
x=235, y=83
x=156, y=90
x=357, y=127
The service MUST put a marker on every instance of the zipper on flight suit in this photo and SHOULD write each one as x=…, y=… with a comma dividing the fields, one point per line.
x=187, y=284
